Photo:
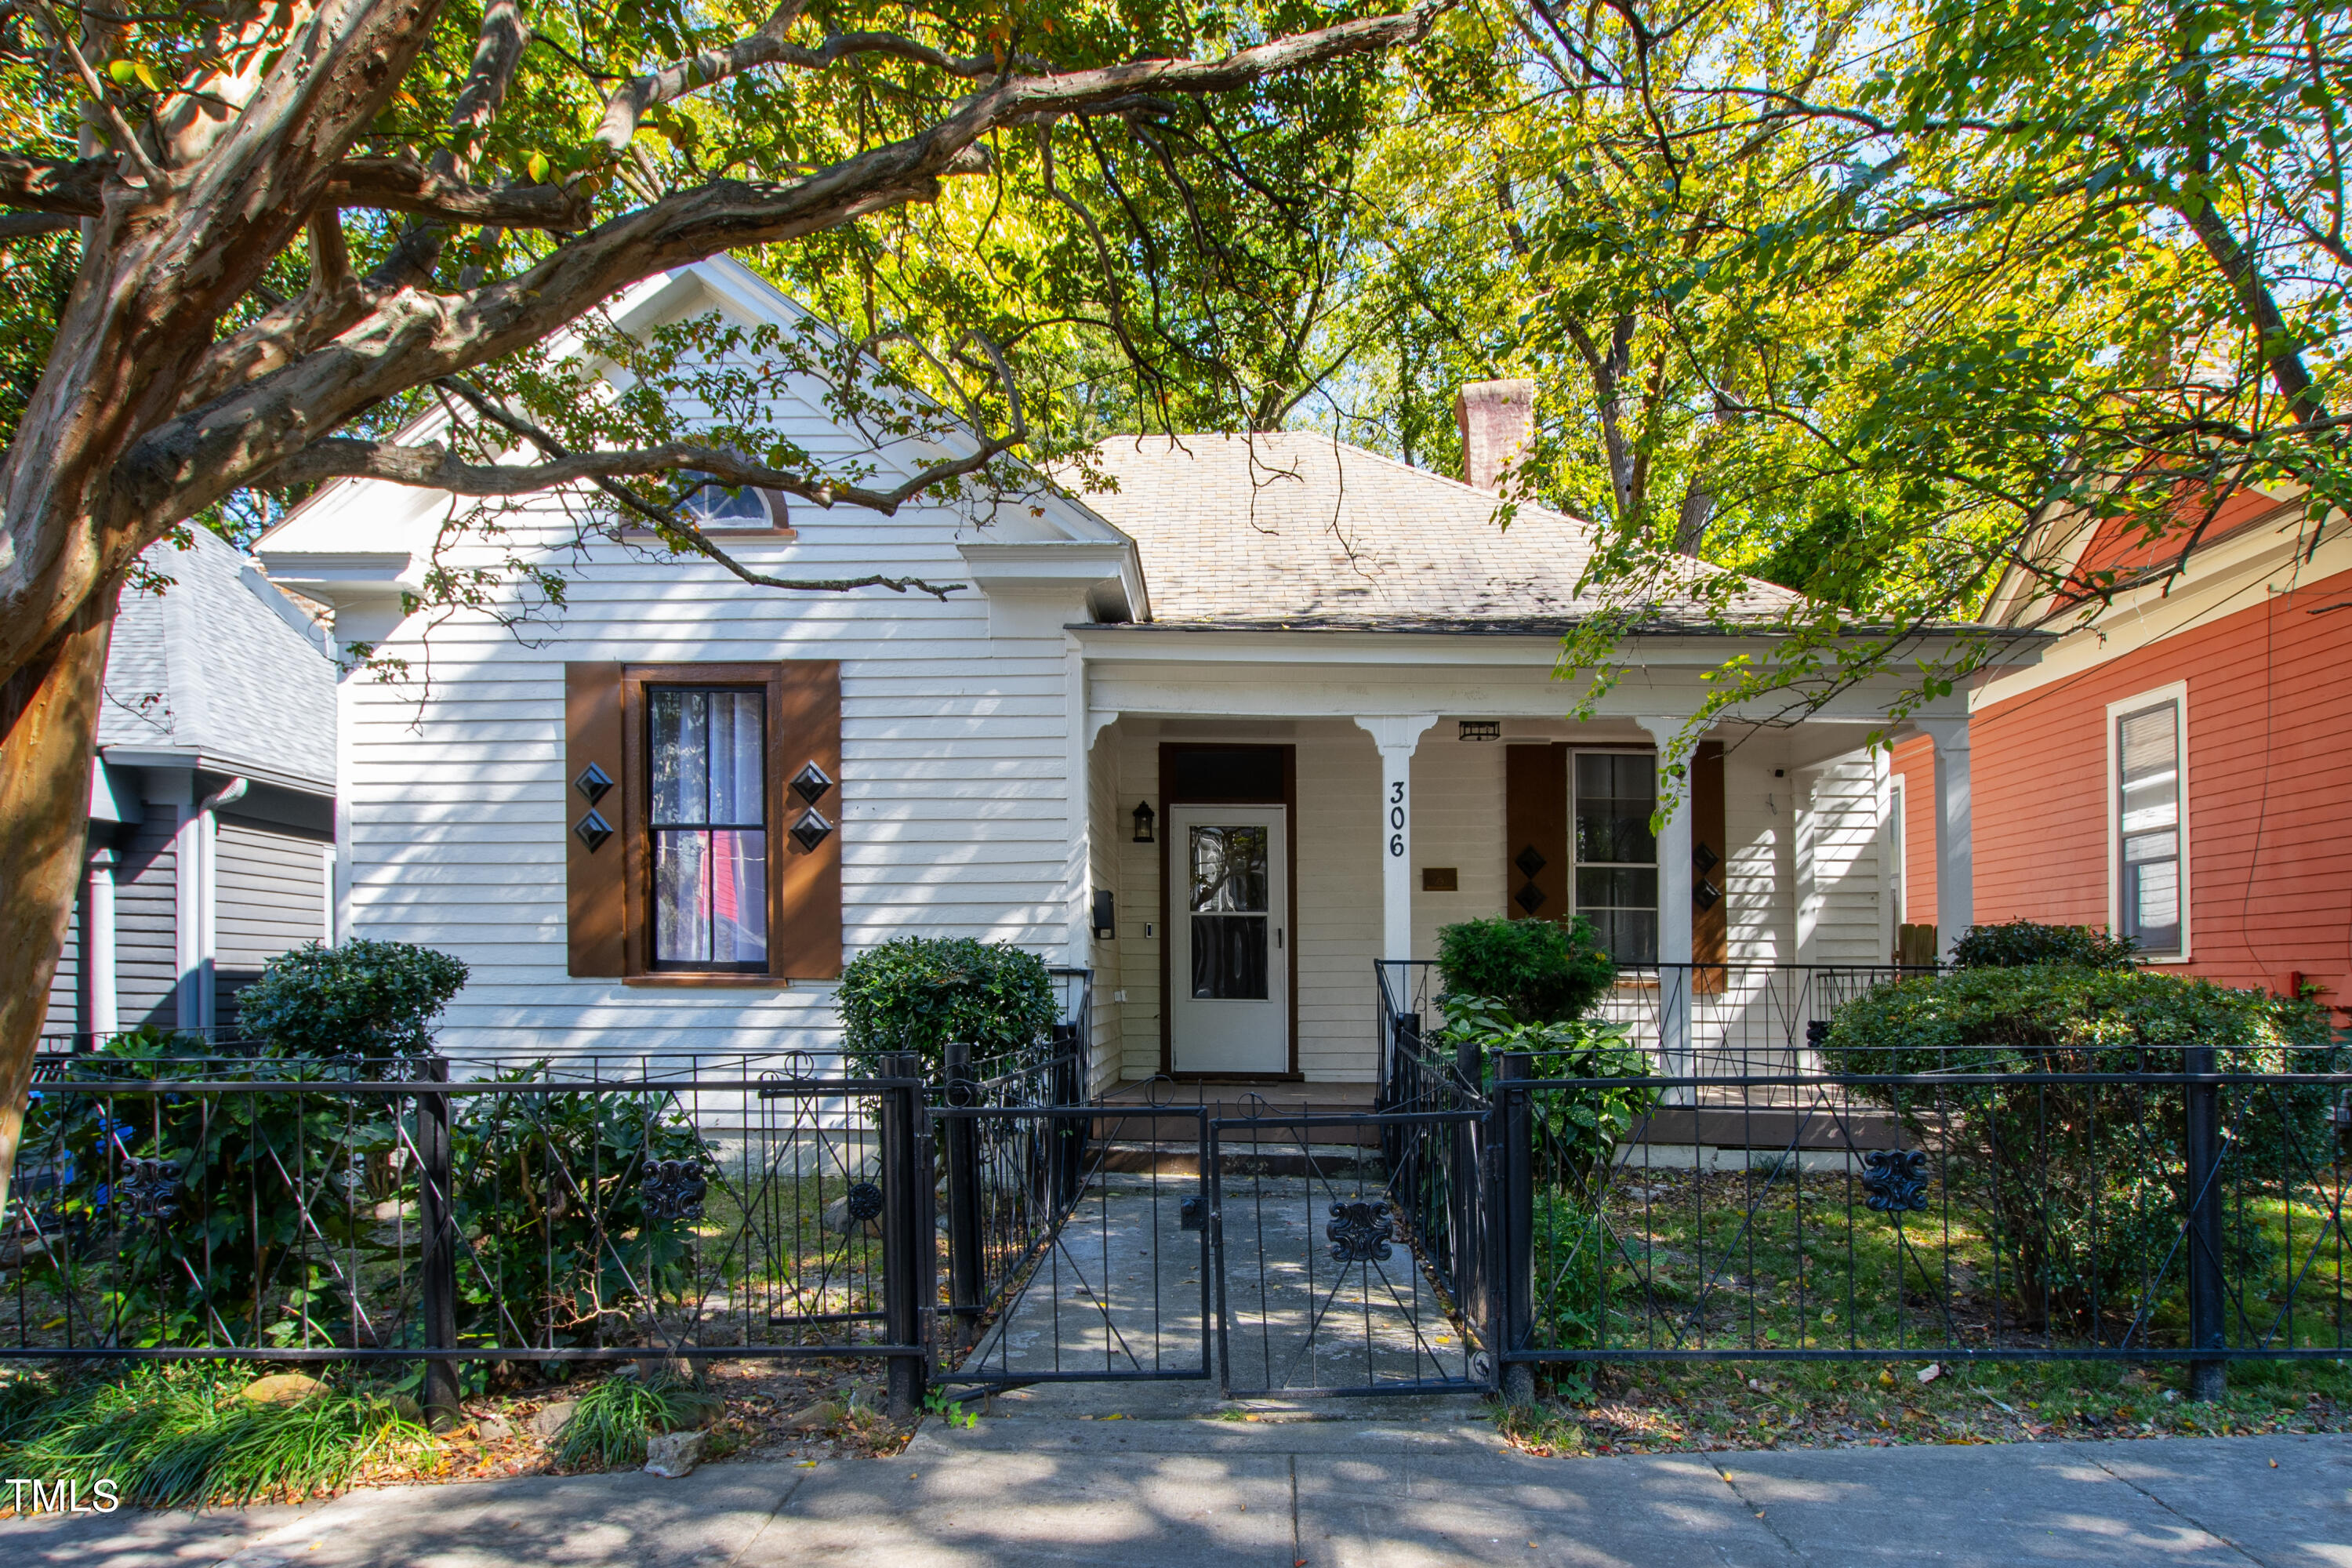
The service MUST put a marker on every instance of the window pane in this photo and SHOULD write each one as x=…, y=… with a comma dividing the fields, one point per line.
x=2156, y=903
x=680, y=744
x=1229, y=957
x=738, y=897
x=738, y=748
x=710, y=897
x=1229, y=869
x=681, y=901
x=1629, y=936
x=714, y=504
x=1614, y=797
x=2147, y=816
x=1619, y=887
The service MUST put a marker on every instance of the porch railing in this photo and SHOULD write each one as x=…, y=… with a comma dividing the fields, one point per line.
x=1697, y=1021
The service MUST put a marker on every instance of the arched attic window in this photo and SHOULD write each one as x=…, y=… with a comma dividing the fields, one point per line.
x=717, y=508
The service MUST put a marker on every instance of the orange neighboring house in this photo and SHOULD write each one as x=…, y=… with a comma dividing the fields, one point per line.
x=2179, y=765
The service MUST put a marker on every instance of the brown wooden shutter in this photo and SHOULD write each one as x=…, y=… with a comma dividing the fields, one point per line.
x=1710, y=860
x=595, y=792
x=805, y=761
x=1535, y=846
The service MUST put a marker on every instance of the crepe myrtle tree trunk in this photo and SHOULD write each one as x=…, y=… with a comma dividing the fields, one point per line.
x=178, y=377
x=48, y=724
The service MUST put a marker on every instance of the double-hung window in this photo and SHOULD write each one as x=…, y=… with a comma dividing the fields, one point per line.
x=707, y=816
x=703, y=809
x=1614, y=795
x=2151, y=894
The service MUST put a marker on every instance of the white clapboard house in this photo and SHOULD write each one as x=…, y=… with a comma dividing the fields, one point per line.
x=1272, y=709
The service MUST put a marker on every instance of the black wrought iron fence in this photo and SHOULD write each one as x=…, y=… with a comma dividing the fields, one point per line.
x=2180, y=1204
x=337, y=1211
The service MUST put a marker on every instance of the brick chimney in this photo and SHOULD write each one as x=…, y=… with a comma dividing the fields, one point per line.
x=1499, y=421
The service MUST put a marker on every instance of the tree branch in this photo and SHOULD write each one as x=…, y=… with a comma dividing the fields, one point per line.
x=403, y=185
x=628, y=103
x=414, y=336
x=24, y=225
x=54, y=185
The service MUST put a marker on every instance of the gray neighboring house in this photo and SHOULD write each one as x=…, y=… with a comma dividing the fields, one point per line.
x=212, y=834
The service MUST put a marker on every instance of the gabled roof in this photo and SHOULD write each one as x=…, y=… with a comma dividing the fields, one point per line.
x=221, y=670
x=1292, y=529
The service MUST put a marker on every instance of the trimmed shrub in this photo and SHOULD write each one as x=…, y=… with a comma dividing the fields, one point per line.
x=1542, y=971
x=2087, y=1182
x=2013, y=944
x=361, y=999
x=918, y=993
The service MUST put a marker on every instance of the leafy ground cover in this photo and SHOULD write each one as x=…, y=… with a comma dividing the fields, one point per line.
x=1782, y=1260
x=1653, y=1408
x=1774, y=1260
x=184, y=1436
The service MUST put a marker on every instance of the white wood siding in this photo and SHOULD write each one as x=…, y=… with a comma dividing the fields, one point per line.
x=1457, y=821
x=953, y=759
x=1838, y=877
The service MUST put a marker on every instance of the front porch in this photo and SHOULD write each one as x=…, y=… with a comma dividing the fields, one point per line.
x=1381, y=828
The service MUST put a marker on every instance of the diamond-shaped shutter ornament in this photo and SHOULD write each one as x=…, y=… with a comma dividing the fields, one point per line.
x=592, y=830
x=1530, y=897
x=811, y=830
x=1529, y=862
x=811, y=784
x=1704, y=859
x=593, y=783
x=1705, y=894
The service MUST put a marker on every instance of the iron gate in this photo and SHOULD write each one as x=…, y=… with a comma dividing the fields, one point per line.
x=1078, y=1245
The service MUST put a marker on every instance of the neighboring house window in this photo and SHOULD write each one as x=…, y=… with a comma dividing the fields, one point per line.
x=1614, y=794
x=707, y=822
x=2152, y=891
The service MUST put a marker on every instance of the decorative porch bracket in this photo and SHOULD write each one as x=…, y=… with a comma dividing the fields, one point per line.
x=1398, y=735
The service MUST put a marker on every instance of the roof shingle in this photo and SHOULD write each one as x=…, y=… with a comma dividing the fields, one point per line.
x=1292, y=528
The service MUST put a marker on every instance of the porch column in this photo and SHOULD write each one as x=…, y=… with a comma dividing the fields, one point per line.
x=1674, y=910
x=1955, y=887
x=1398, y=735
x=101, y=1018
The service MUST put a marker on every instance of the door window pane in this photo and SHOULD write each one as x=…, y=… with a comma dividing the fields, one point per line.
x=1229, y=912
x=1616, y=853
x=707, y=817
x=2148, y=821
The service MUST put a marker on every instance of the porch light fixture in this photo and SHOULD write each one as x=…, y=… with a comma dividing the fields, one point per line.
x=1482, y=730
x=1144, y=817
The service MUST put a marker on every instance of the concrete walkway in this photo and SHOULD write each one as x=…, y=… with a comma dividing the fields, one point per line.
x=1391, y=1493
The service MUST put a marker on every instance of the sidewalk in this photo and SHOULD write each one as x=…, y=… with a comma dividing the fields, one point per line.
x=1333, y=1494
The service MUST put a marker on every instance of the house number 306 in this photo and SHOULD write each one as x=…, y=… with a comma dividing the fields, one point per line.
x=1396, y=817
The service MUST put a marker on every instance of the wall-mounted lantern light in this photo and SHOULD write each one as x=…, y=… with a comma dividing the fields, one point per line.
x=1144, y=817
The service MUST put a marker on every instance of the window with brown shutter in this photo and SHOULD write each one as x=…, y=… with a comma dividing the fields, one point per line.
x=711, y=851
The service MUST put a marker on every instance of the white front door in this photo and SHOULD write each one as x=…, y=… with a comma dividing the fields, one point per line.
x=1229, y=918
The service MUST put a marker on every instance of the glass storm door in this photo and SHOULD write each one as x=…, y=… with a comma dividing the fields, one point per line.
x=1229, y=962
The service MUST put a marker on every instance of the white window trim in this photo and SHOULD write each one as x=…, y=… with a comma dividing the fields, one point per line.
x=2177, y=693
x=1896, y=815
